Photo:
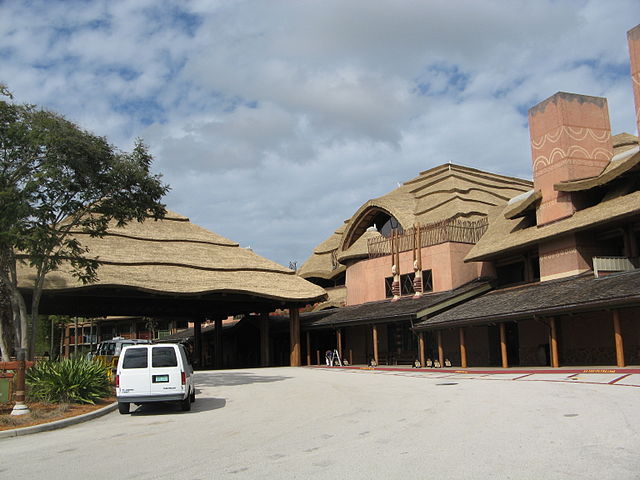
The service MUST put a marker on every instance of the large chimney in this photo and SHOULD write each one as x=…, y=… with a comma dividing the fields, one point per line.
x=570, y=140
x=633, y=36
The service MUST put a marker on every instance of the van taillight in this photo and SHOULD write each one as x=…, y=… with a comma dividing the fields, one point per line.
x=117, y=381
x=183, y=376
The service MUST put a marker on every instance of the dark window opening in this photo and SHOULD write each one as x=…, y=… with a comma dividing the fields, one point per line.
x=406, y=283
x=163, y=357
x=385, y=224
x=135, y=358
x=511, y=273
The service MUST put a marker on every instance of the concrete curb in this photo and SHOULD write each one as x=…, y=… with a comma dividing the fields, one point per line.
x=65, y=422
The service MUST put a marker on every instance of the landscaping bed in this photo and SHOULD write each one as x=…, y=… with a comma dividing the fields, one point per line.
x=42, y=412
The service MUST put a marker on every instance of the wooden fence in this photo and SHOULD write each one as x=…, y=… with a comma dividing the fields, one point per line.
x=450, y=230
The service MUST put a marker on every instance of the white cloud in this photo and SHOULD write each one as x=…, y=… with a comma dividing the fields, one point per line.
x=274, y=121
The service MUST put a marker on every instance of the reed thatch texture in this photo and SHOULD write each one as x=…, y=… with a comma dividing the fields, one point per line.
x=444, y=192
x=504, y=235
x=337, y=298
x=517, y=206
x=175, y=257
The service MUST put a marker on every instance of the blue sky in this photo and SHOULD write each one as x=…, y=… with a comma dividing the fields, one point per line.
x=274, y=121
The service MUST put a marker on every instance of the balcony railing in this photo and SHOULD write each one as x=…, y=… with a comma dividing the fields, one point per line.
x=613, y=264
x=450, y=230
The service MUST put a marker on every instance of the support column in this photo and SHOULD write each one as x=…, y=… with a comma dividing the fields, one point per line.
x=339, y=342
x=555, y=363
x=218, y=347
x=294, y=331
x=463, y=349
x=308, y=348
x=440, y=349
x=618, y=338
x=375, y=344
x=503, y=345
x=264, y=339
x=197, y=342
x=421, y=350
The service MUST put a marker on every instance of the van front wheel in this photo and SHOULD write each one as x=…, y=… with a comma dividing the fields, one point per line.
x=186, y=404
x=123, y=407
x=193, y=395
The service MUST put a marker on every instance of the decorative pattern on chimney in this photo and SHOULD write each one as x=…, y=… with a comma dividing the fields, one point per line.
x=570, y=140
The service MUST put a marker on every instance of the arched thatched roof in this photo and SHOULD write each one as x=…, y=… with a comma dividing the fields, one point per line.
x=176, y=258
x=443, y=192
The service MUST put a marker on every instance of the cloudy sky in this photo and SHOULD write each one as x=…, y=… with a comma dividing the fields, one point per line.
x=273, y=121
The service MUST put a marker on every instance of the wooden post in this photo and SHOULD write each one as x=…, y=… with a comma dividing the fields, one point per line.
x=440, y=349
x=618, y=338
x=20, y=408
x=318, y=357
x=375, y=344
x=75, y=336
x=308, y=347
x=339, y=341
x=350, y=357
x=294, y=331
x=463, y=349
x=421, y=349
x=555, y=363
x=197, y=342
x=503, y=345
x=264, y=339
x=218, y=347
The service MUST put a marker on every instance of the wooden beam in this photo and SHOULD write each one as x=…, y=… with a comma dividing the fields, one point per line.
x=294, y=331
x=618, y=339
x=503, y=345
x=555, y=362
x=218, y=347
x=375, y=344
x=463, y=348
x=339, y=341
x=197, y=342
x=308, y=347
x=440, y=349
x=264, y=339
x=421, y=349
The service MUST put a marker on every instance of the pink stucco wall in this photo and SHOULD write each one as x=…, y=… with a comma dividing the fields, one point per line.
x=365, y=279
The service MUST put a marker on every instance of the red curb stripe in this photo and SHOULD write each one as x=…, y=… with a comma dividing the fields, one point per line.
x=612, y=382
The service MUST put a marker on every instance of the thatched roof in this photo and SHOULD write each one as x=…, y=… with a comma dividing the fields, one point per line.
x=523, y=202
x=625, y=157
x=504, y=235
x=175, y=257
x=554, y=297
x=360, y=248
x=337, y=298
x=444, y=192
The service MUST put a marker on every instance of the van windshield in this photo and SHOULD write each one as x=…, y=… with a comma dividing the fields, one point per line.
x=163, y=357
x=135, y=358
x=107, y=348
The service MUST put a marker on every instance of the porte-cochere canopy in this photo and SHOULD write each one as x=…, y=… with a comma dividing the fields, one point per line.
x=171, y=267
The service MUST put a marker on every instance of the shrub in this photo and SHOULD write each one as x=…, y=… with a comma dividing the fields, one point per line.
x=73, y=380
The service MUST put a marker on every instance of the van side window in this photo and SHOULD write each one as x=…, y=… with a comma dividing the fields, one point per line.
x=135, y=358
x=163, y=357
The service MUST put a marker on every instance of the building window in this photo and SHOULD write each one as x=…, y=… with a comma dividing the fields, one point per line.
x=406, y=283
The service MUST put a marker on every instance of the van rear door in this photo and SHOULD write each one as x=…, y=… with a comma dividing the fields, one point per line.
x=134, y=375
x=166, y=374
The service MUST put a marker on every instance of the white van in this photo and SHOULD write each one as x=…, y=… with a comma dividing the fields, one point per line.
x=154, y=373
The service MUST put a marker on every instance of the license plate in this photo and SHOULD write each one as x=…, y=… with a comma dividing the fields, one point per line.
x=160, y=378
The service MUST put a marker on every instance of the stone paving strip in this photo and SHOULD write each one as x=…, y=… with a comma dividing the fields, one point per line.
x=596, y=376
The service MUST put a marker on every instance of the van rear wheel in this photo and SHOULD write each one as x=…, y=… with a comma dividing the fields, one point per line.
x=193, y=395
x=123, y=407
x=186, y=404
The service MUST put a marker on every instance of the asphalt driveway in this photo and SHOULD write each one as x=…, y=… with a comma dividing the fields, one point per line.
x=338, y=424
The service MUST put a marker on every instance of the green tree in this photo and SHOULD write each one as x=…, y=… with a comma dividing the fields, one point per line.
x=57, y=180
